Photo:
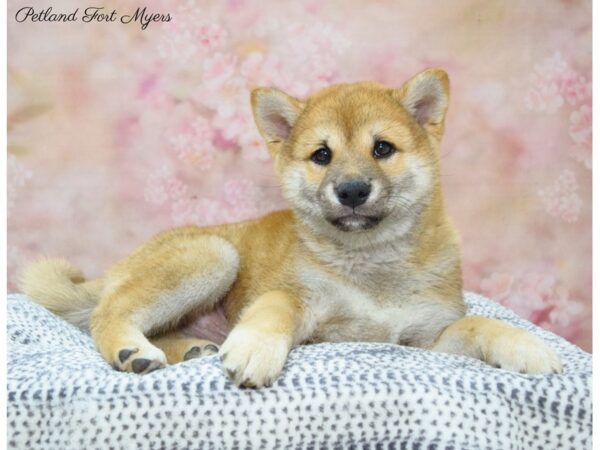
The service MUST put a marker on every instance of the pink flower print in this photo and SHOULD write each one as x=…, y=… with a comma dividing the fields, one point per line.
x=233, y=5
x=161, y=186
x=553, y=68
x=218, y=68
x=541, y=299
x=200, y=129
x=326, y=39
x=531, y=296
x=235, y=99
x=225, y=99
x=18, y=175
x=175, y=188
x=290, y=83
x=537, y=285
x=566, y=310
x=252, y=67
x=192, y=141
x=552, y=81
x=209, y=212
x=154, y=192
x=581, y=134
x=565, y=316
x=147, y=85
x=179, y=142
x=234, y=126
x=16, y=258
x=497, y=286
x=261, y=69
x=186, y=211
x=244, y=198
x=212, y=36
x=177, y=43
x=183, y=212
x=239, y=192
x=201, y=159
x=531, y=308
x=222, y=143
x=583, y=154
x=562, y=199
x=544, y=95
x=336, y=42
x=537, y=297
x=581, y=126
x=253, y=146
x=575, y=88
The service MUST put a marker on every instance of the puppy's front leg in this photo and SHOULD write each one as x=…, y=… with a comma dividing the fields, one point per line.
x=498, y=344
x=256, y=349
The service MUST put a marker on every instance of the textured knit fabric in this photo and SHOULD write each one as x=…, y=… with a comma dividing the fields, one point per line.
x=62, y=395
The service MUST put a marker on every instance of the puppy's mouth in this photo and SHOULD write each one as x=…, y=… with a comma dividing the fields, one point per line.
x=355, y=222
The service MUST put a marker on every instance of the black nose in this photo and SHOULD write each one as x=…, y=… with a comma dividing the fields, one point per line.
x=353, y=193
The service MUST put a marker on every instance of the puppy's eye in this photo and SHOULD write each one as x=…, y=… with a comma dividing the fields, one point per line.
x=383, y=149
x=322, y=156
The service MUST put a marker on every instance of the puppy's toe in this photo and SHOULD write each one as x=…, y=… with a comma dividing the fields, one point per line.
x=210, y=349
x=525, y=353
x=126, y=353
x=252, y=358
x=198, y=351
x=141, y=358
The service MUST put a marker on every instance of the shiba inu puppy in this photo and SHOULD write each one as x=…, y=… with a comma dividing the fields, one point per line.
x=366, y=252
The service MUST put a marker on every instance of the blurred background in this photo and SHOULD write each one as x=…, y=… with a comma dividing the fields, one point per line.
x=116, y=133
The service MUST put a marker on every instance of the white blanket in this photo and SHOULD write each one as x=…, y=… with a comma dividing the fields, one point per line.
x=62, y=395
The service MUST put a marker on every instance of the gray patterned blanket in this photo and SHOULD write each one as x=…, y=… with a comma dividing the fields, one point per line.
x=62, y=395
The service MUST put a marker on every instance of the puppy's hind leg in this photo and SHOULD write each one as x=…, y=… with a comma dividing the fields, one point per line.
x=153, y=288
x=180, y=347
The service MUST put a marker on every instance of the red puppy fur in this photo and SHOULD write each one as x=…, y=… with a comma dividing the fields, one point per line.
x=365, y=253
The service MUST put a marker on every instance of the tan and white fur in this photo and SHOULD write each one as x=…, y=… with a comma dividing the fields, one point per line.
x=365, y=253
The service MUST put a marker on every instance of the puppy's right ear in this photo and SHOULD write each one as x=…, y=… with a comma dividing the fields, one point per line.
x=275, y=113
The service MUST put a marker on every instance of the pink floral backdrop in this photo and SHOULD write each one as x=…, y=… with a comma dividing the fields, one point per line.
x=116, y=133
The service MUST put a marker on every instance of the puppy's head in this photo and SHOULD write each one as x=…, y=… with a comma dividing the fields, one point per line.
x=356, y=157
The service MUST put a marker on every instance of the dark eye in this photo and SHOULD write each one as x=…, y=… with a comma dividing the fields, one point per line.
x=383, y=149
x=322, y=156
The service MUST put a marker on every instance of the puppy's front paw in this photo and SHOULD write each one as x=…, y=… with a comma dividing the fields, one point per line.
x=137, y=356
x=523, y=352
x=140, y=359
x=253, y=358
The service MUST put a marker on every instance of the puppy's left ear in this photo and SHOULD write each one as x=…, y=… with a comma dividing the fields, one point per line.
x=275, y=113
x=425, y=96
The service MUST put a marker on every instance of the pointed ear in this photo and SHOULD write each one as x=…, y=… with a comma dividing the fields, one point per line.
x=425, y=96
x=275, y=113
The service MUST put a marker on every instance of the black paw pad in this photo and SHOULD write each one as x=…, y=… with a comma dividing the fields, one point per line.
x=159, y=366
x=210, y=349
x=192, y=353
x=126, y=353
x=140, y=364
x=247, y=383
